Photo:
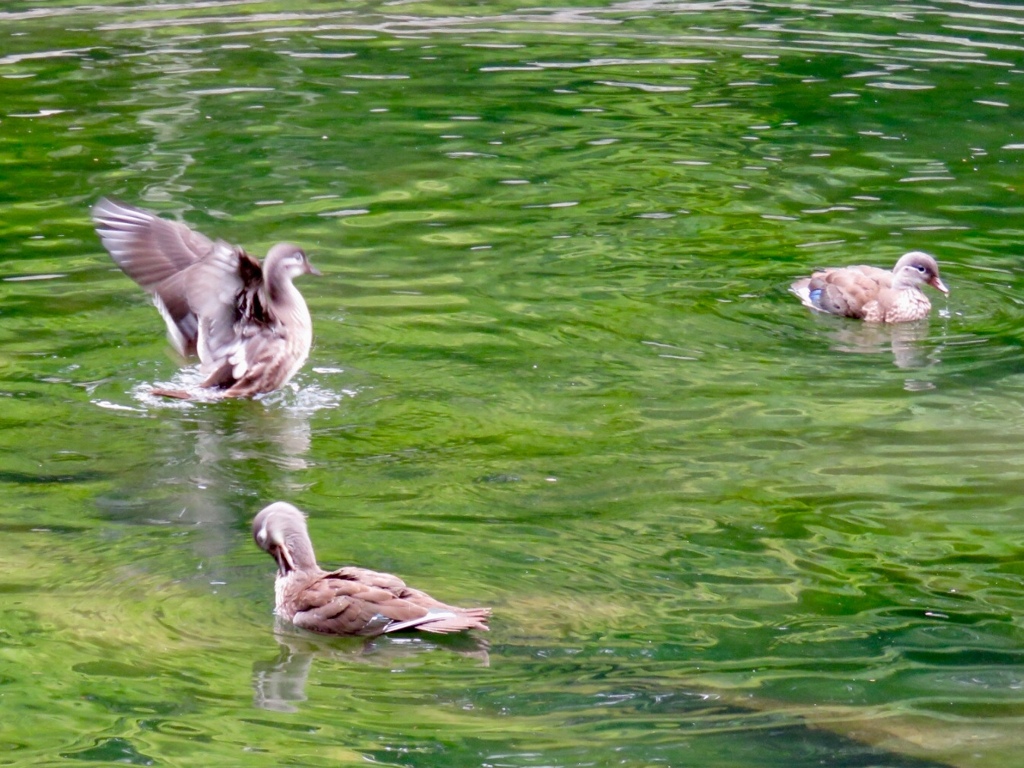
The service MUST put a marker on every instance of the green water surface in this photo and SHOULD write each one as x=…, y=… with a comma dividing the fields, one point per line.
x=556, y=371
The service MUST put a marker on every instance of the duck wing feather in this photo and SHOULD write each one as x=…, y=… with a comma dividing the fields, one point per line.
x=206, y=290
x=237, y=328
x=358, y=601
x=848, y=290
x=210, y=293
x=160, y=256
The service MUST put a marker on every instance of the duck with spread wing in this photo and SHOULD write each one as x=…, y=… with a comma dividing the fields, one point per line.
x=246, y=321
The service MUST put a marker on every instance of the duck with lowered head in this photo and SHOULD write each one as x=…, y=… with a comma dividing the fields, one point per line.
x=350, y=600
x=246, y=321
x=872, y=294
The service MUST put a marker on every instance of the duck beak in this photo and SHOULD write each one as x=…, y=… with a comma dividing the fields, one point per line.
x=937, y=284
x=284, y=560
x=311, y=270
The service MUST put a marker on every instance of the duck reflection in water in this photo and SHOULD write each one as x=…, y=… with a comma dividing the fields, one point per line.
x=191, y=478
x=907, y=342
x=250, y=432
x=280, y=682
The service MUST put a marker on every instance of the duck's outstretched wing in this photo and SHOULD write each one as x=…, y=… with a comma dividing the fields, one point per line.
x=210, y=293
x=160, y=256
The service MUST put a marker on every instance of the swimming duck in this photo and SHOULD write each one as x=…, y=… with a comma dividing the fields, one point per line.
x=872, y=294
x=247, y=322
x=348, y=601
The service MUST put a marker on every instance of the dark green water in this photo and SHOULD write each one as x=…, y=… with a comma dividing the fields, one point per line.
x=556, y=371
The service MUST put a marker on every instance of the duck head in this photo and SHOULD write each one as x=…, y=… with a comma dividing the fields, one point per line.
x=280, y=530
x=916, y=268
x=288, y=261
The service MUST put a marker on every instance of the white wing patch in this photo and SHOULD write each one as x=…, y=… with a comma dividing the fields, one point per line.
x=174, y=334
x=239, y=363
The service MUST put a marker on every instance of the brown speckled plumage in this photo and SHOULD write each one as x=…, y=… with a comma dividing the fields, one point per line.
x=247, y=322
x=872, y=294
x=348, y=601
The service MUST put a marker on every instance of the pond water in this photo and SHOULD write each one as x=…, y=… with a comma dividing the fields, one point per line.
x=556, y=371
